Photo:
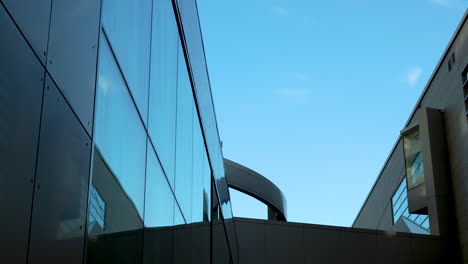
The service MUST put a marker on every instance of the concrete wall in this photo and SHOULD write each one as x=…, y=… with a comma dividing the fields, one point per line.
x=444, y=91
x=262, y=242
x=377, y=210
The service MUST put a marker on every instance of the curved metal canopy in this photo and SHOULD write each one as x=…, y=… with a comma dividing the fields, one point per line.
x=256, y=185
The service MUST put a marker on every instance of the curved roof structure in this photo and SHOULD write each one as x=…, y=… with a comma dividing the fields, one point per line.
x=256, y=185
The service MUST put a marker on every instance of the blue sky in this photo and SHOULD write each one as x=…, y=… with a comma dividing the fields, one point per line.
x=313, y=94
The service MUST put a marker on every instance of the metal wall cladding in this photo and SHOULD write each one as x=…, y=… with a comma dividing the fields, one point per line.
x=73, y=43
x=61, y=187
x=33, y=18
x=20, y=109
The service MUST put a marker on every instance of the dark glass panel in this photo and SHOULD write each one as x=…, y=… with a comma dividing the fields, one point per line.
x=32, y=17
x=61, y=193
x=20, y=112
x=74, y=29
x=128, y=26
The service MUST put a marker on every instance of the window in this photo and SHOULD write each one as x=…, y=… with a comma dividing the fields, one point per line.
x=400, y=210
x=413, y=158
x=465, y=88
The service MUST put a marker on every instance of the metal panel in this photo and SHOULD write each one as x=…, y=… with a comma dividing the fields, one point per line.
x=20, y=107
x=61, y=188
x=73, y=53
x=32, y=17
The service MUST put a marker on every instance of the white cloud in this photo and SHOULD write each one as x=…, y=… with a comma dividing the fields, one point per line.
x=279, y=11
x=441, y=2
x=413, y=75
x=299, y=94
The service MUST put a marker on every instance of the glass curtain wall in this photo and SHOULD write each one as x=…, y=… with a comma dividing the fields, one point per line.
x=150, y=196
x=151, y=192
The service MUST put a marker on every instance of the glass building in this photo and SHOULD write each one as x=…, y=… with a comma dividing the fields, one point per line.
x=121, y=157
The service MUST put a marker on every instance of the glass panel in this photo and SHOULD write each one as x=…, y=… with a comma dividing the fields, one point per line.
x=159, y=214
x=159, y=203
x=399, y=202
x=119, y=239
x=118, y=168
x=400, y=208
x=412, y=217
x=20, y=114
x=184, y=143
x=398, y=193
x=196, y=53
x=413, y=158
x=128, y=26
x=60, y=198
x=178, y=217
x=206, y=189
x=74, y=32
x=425, y=223
x=198, y=176
x=163, y=88
x=119, y=135
x=33, y=18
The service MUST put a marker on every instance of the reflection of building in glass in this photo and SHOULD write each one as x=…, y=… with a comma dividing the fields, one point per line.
x=129, y=154
x=97, y=208
x=111, y=154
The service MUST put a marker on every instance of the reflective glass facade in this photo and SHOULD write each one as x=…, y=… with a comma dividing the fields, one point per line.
x=123, y=135
x=400, y=209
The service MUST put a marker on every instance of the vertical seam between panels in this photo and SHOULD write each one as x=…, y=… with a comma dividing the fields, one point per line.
x=91, y=163
x=39, y=134
x=35, y=168
x=147, y=131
